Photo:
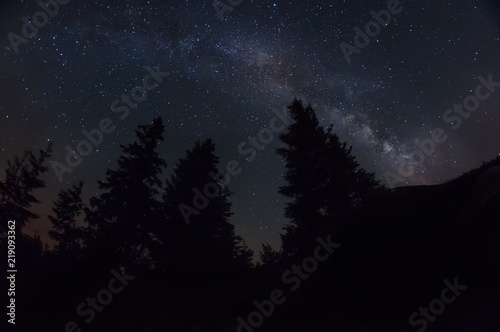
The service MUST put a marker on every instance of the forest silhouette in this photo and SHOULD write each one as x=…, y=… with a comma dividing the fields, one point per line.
x=396, y=246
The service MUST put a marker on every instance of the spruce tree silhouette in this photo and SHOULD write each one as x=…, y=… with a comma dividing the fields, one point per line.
x=22, y=177
x=69, y=237
x=268, y=256
x=197, y=234
x=123, y=218
x=325, y=182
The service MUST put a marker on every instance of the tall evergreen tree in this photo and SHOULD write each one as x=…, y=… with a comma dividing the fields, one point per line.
x=197, y=233
x=324, y=179
x=124, y=216
x=268, y=256
x=22, y=178
x=69, y=237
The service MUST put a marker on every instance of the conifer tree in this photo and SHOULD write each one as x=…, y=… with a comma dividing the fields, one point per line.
x=268, y=255
x=70, y=238
x=325, y=182
x=197, y=233
x=22, y=178
x=123, y=217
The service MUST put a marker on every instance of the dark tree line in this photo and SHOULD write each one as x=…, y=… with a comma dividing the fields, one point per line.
x=194, y=273
x=136, y=222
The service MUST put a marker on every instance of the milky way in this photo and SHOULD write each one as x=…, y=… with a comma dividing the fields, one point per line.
x=227, y=76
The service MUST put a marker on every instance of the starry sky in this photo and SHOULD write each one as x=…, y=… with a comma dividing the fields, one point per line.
x=225, y=78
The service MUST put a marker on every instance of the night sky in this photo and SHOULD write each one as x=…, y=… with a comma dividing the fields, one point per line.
x=225, y=77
